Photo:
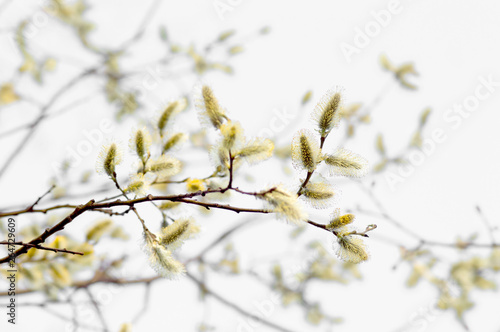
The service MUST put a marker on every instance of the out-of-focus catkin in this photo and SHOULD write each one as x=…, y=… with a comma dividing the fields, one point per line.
x=209, y=108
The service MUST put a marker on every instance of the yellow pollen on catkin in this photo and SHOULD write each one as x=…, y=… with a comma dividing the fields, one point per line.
x=351, y=249
x=110, y=161
x=232, y=135
x=341, y=221
x=174, y=235
x=138, y=185
x=284, y=204
x=140, y=143
x=163, y=166
x=326, y=113
x=161, y=259
x=169, y=205
x=109, y=157
x=306, y=155
x=193, y=185
x=346, y=163
x=256, y=150
x=319, y=194
x=305, y=151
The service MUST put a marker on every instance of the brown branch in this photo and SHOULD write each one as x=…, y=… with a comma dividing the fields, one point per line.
x=41, y=197
x=91, y=205
x=37, y=246
x=48, y=232
x=208, y=206
x=102, y=277
x=231, y=162
x=308, y=177
x=31, y=210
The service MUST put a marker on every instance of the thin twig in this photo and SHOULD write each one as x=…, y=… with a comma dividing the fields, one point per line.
x=97, y=309
x=219, y=239
x=235, y=307
x=491, y=230
x=37, y=246
x=59, y=93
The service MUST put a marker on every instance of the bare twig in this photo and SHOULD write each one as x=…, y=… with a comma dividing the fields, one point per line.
x=59, y=93
x=97, y=309
x=491, y=230
x=37, y=246
x=218, y=240
x=235, y=307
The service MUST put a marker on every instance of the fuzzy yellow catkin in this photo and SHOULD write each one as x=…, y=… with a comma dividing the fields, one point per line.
x=209, y=108
x=166, y=115
x=346, y=163
x=319, y=194
x=326, y=114
x=284, y=204
x=34, y=275
x=219, y=156
x=305, y=151
x=174, y=141
x=193, y=185
x=99, y=229
x=164, y=263
x=169, y=205
x=232, y=135
x=174, y=235
x=164, y=166
x=161, y=259
x=307, y=96
x=138, y=185
x=225, y=35
x=256, y=150
x=109, y=157
x=126, y=327
x=140, y=142
x=60, y=274
x=351, y=248
x=338, y=221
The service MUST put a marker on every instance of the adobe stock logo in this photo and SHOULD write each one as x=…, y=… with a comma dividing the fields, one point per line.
x=281, y=119
x=454, y=117
x=37, y=21
x=363, y=37
x=223, y=6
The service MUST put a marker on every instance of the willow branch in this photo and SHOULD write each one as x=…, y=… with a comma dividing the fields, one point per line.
x=48, y=232
x=37, y=246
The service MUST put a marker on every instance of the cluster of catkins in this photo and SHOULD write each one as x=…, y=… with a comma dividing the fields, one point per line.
x=229, y=152
x=307, y=155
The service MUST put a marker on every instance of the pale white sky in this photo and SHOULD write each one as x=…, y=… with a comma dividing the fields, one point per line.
x=455, y=48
